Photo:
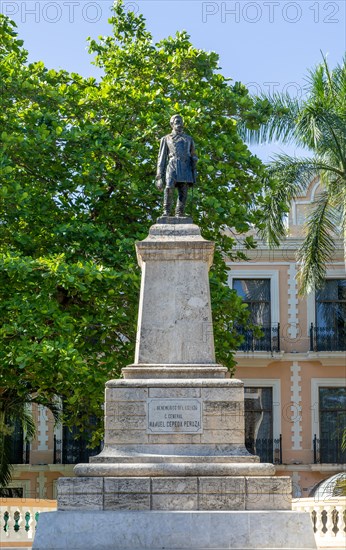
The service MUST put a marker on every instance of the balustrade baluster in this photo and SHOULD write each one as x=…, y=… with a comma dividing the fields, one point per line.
x=319, y=523
x=329, y=522
x=27, y=521
x=341, y=527
x=6, y=518
x=16, y=517
x=313, y=519
x=335, y=521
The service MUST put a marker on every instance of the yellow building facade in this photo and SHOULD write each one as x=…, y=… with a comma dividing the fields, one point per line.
x=295, y=375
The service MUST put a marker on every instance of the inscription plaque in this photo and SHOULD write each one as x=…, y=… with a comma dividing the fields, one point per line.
x=169, y=416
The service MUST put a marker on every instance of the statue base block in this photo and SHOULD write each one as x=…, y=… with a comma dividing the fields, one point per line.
x=174, y=220
x=83, y=530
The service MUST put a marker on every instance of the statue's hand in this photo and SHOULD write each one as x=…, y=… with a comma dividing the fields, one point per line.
x=159, y=183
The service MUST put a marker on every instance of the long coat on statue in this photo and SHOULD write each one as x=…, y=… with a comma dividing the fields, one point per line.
x=177, y=160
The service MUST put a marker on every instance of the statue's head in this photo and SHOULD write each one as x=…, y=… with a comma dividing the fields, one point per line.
x=177, y=123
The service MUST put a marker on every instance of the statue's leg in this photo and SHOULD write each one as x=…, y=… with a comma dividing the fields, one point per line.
x=182, y=198
x=167, y=201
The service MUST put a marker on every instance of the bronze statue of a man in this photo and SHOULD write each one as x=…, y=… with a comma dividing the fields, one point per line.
x=176, y=166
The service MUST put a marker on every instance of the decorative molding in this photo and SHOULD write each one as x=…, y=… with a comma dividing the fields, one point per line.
x=293, y=320
x=264, y=359
x=41, y=488
x=314, y=189
x=296, y=407
x=58, y=426
x=42, y=432
x=328, y=358
x=274, y=383
x=257, y=358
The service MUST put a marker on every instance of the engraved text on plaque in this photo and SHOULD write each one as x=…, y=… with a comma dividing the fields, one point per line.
x=166, y=416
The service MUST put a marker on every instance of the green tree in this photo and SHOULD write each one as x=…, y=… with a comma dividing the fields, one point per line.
x=78, y=164
x=317, y=123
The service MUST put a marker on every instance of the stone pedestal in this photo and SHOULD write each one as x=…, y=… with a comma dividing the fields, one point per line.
x=174, y=531
x=175, y=328
x=174, y=469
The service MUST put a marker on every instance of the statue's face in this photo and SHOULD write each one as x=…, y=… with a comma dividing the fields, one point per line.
x=177, y=125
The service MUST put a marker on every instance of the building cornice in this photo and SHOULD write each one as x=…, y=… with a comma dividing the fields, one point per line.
x=264, y=359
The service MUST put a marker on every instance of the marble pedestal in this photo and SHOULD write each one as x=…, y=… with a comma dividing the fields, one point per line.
x=174, y=444
x=174, y=531
x=174, y=472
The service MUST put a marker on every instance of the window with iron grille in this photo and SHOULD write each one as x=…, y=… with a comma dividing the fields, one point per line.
x=330, y=330
x=76, y=445
x=259, y=422
x=256, y=294
x=332, y=417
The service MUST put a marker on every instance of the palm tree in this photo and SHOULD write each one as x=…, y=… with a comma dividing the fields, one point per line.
x=318, y=124
x=15, y=409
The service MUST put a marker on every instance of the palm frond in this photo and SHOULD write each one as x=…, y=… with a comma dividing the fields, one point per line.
x=289, y=178
x=280, y=125
x=319, y=244
x=318, y=122
x=301, y=171
x=6, y=467
x=15, y=409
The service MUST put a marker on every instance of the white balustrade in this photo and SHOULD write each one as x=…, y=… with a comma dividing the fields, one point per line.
x=18, y=518
x=328, y=517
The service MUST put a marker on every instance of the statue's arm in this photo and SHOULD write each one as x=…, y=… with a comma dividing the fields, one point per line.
x=162, y=159
x=161, y=164
x=194, y=159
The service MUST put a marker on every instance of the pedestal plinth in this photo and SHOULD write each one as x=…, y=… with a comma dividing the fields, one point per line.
x=175, y=445
x=174, y=468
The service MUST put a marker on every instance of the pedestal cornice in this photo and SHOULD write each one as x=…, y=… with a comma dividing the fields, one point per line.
x=176, y=383
x=142, y=370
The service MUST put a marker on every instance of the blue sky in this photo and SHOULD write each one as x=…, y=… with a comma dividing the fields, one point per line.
x=267, y=44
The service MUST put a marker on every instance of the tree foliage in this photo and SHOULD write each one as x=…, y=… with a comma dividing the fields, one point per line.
x=78, y=162
x=317, y=123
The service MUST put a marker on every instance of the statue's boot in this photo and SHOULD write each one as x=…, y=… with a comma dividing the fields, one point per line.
x=182, y=198
x=167, y=201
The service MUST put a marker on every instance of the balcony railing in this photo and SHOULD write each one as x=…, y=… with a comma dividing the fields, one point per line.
x=327, y=339
x=268, y=449
x=269, y=341
x=328, y=450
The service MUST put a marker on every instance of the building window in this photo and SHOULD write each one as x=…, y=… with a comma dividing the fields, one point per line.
x=332, y=420
x=329, y=332
x=74, y=447
x=256, y=294
x=259, y=424
x=11, y=492
x=19, y=449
